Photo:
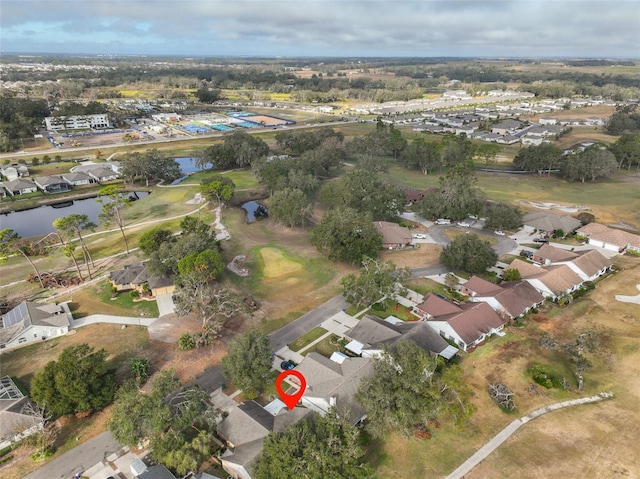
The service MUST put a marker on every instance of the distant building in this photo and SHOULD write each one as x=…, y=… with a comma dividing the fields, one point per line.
x=78, y=122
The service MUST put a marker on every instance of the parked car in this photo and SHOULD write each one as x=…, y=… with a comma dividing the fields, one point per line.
x=499, y=232
x=420, y=236
x=287, y=365
x=464, y=224
x=474, y=217
x=541, y=240
x=443, y=221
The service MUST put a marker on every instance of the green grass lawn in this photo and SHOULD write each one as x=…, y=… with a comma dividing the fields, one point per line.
x=393, y=309
x=97, y=299
x=307, y=339
x=326, y=347
x=609, y=199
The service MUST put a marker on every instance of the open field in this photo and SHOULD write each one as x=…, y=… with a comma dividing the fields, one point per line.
x=611, y=200
x=586, y=441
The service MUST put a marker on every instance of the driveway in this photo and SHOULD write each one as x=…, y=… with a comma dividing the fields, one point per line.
x=79, y=459
x=165, y=304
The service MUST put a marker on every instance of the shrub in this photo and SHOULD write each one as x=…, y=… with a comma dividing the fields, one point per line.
x=134, y=293
x=186, y=342
x=558, y=233
x=35, y=161
x=540, y=375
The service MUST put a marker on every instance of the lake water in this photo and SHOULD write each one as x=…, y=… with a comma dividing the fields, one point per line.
x=254, y=210
x=39, y=221
x=188, y=166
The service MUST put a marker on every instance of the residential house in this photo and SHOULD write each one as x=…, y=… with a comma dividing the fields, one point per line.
x=16, y=422
x=3, y=190
x=29, y=322
x=610, y=238
x=14, y=171
x=52, y=184
x=547, y=222
x=20, y=186
x=412, y=196
x=507, y=127
x=332, y=384
x=78, y=178
x=467, y=324
x=589, y=265
x=102, y=174
x=548, y=254
x=158, y=471
x=372, y=334
x=244, y=426
x=550, y=281
x=394, y=236
x=135, y=276
x=512, y=298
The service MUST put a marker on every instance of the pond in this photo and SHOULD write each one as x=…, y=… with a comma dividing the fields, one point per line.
x=255, y=211
x=188, y=166
x=39, y=221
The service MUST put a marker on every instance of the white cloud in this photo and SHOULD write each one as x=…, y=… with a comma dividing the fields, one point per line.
x=327, y=27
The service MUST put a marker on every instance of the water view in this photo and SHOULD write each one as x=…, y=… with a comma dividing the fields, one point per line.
x=255, y=211
x=39, y=221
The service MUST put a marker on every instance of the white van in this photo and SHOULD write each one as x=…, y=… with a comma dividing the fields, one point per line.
x=443, y=221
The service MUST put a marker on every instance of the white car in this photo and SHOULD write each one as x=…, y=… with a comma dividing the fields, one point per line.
x=464, y=224
x=499, y=232
x=443, y=221
x=419, y=236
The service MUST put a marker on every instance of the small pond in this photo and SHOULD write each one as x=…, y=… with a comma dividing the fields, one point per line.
x=188, y=166
x=39, y=221
x=255, y=211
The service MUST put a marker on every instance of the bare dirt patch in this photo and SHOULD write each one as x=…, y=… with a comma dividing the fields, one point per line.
x=427, y=254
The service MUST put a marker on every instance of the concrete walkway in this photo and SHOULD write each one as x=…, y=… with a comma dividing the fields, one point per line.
x=107, y=318
x=503, y=435
x=629, y=299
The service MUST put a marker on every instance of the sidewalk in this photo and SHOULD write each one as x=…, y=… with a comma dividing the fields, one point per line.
x=503, y=435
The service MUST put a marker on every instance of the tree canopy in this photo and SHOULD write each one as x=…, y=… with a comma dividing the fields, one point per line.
x=219, y=188
x=150, y=165
x=151, y=240
x=627, y=151
x=79, y=382
x=409, y=388
x=345, y=234
x=237, y=149
x=317, y=447
x=594, y=162
x=468, y=253
x=248, y=362
x=375, y=281
x=538, y=158
x=365, y=192
x=456, y=198
x=180, y=425
x=501, y=216
x=291, y=207
x=115, y=200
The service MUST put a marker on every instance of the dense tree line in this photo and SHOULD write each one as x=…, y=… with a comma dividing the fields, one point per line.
x=19, y=118
x=625, y=120
x=468, y=253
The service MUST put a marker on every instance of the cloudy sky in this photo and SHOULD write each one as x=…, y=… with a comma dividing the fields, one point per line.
x=522, y=28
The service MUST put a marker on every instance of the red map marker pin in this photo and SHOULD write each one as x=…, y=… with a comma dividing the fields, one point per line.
x=291, y=400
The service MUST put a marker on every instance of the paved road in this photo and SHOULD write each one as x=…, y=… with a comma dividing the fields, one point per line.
x=212, y=378
x=505, y=244
x=79, y=459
